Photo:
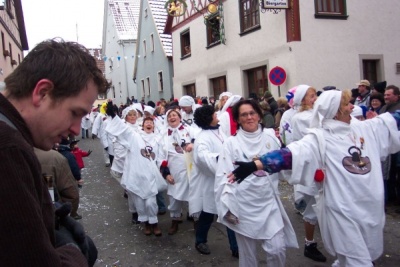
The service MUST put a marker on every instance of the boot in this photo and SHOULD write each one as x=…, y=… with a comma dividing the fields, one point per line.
x=156, y=230
x=174, y=227
x=147, y=228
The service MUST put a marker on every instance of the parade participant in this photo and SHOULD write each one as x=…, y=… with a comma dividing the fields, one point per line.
x=55, y=80
x=140, y=185
x=226, y=121
x=175, y=141
x=207, y=148
x=304, y=99
x=129, y=115
x=285, y=125
x=222, y=100
x=350, y=206
x=159, y=114
x=85, y=125
x=98, y=131
x=253, y=210
x=152, y=139
x=188, y=107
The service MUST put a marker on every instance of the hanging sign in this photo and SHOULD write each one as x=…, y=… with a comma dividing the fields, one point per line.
x=275, y=4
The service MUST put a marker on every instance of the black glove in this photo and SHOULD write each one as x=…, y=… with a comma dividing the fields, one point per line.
x=110, y=109
x=94, y=136
x=244, y=170
x=89, y=152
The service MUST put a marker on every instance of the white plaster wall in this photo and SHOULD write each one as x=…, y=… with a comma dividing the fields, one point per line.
x=329, y=52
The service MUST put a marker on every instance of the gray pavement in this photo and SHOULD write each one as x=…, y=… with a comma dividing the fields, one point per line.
x=120, y=243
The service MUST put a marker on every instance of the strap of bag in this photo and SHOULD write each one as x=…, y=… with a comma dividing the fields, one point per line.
x=7, y=121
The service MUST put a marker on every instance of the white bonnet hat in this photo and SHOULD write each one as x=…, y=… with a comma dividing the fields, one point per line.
x=299, y=95
x=326, y=106
x=149, y=109
x=126, y=110
x=186, y=101
x=228, y=94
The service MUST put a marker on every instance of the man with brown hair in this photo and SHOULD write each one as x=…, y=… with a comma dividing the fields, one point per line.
x=45, y=98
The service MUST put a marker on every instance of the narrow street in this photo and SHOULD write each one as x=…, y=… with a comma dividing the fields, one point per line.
x=120, y=243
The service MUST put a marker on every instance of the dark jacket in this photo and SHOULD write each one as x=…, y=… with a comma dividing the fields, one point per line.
x=65, y=150
x=273, y=104
x=391, y=108
x=27, y=225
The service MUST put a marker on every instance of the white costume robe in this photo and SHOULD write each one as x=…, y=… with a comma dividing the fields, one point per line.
x=120, y=151
x=207, y=147
x=300, y=124
x=139, y=175
x=354, y=200
x=285, y=126
x=255, y=201
x=176, y=160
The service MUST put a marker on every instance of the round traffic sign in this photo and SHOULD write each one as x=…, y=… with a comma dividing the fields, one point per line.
x=277, y=76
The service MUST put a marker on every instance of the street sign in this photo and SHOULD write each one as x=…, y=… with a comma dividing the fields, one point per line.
x=277, y=76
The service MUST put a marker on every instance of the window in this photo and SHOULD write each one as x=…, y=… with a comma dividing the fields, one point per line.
x=185, y=44
x=3, y=45
x=257, y=81
x=218, y=86
x=213, y=33
x=9, y=8
x=330, y=9
x=143, y=88
x=370, y=70
x=148, y=86
x=160, y=82
x=144, y=48
x=249, y=15
x=190, y=89
x=152, y=42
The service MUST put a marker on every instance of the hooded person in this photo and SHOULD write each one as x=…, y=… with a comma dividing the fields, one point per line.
x=223, y=97
x=141, y=186
x=175, y=143
x=98, y=130
x=227, y=124
x=285, y=125
x=347, y=153
x=188, y=107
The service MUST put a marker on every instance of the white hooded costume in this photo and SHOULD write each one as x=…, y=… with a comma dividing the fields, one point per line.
x=350, y=207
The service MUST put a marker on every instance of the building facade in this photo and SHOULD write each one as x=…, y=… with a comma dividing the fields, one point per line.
x=320, y=42
x=120, y=28
x=153, y=68
x=13, y=36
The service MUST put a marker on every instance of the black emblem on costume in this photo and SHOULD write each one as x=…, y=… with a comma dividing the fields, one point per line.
x=147, y=152
x=356, y=163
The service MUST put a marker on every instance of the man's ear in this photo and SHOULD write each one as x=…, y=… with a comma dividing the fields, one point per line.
x=41, y=91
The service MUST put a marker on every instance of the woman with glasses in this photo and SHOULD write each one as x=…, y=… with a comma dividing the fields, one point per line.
x=253, y=210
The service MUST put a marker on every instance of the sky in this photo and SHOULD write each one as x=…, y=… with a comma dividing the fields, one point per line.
x=72, y=20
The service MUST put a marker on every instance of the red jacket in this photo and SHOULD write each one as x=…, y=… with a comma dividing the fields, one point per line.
x=79, y=154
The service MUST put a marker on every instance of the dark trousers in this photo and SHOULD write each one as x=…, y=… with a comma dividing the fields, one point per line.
x=162, y=206
x=203, y=226
x=232, y=240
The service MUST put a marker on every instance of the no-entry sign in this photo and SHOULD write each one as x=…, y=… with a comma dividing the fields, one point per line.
x=277, y=76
